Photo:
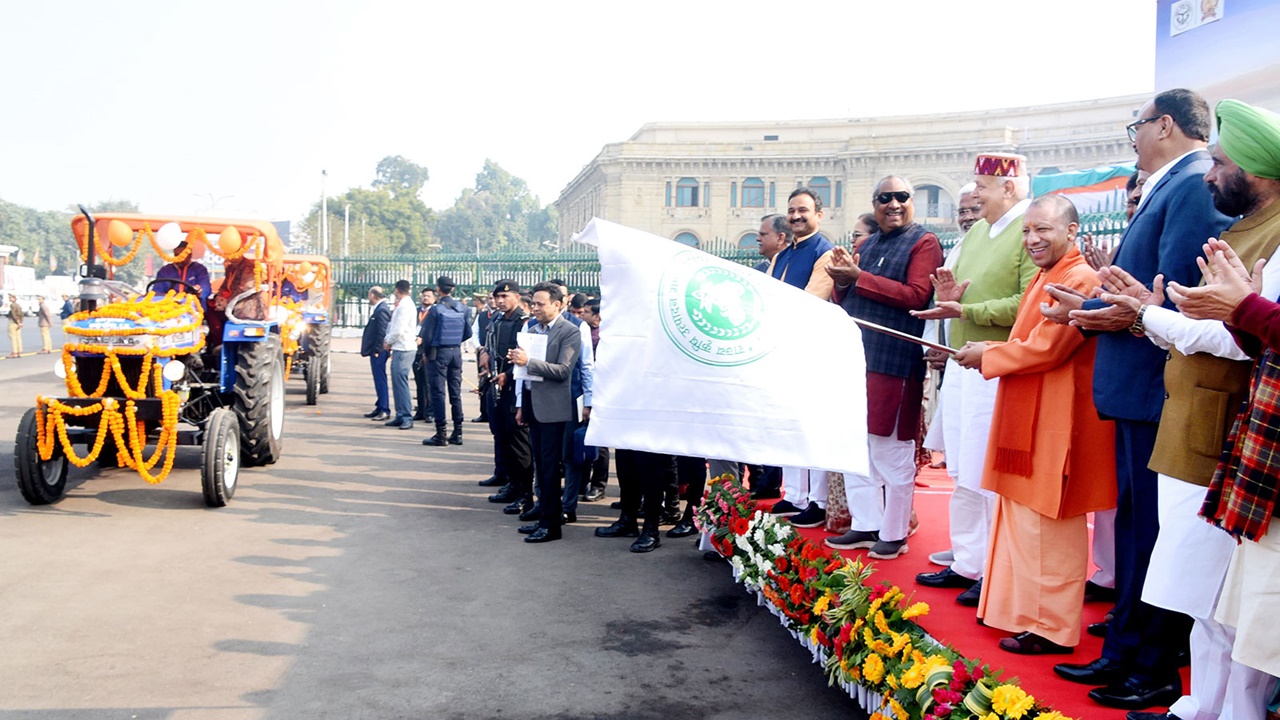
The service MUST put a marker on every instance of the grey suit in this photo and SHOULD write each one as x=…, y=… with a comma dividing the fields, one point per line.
x=549, y=409
x=552, y=398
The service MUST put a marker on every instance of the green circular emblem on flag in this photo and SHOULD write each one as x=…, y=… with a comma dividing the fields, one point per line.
x=712, y=313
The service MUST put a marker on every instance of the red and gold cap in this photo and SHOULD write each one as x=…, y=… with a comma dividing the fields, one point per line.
x=1000, y=165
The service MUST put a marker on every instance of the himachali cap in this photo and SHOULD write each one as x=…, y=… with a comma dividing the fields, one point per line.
x=507, y=286
x=1000, y=165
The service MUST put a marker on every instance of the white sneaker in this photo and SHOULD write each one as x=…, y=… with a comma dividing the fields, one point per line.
x=943, y=558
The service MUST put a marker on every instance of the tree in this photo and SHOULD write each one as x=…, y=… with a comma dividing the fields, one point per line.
x=500, y=213
x=400, y=176
x=389, y=218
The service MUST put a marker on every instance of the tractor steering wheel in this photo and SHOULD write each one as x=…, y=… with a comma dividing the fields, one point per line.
x=190, y=289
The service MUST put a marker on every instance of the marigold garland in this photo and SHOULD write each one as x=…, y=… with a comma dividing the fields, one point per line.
x=861, y=633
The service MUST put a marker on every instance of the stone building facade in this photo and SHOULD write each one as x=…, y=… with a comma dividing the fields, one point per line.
x=709, y=183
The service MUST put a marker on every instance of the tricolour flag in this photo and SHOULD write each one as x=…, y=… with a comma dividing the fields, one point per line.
x=702, y=357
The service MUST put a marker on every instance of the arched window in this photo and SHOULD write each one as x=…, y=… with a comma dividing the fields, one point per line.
x=822, y=188
x=932, y=202
x=753, y=193
x=687, y=238
x=687, y=192
x=748, y=241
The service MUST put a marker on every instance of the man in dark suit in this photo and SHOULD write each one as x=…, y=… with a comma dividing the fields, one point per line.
x=371, y=347
x=547, y=405
x=1175, y=217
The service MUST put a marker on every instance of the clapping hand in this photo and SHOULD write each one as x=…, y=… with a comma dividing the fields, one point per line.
x=1227, y=282
x=945, y=287
x=843, y=267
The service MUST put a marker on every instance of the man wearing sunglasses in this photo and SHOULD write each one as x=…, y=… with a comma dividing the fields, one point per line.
x=980, y=294
x=887, y=278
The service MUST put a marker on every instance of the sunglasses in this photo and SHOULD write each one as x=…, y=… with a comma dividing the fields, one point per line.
x=885, y=197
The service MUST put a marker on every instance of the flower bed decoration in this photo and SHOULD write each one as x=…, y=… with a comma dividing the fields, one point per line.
x=862, y=633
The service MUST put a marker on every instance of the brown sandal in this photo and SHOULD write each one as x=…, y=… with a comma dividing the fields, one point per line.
x=1029, y=643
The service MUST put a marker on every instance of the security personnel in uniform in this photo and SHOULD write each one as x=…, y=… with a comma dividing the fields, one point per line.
x=448, y=324
x=512, y=438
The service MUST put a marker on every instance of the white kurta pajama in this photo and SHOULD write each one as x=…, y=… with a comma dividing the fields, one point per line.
x=1190, y=547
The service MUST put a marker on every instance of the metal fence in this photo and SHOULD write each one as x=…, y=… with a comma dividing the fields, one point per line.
x=577, y=265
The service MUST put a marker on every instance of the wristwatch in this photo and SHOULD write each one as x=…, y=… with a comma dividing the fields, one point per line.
x=1137, y=328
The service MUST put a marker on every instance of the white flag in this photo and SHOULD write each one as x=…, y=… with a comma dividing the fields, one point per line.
x=706, y=358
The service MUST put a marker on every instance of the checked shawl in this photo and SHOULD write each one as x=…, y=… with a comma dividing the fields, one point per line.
x=1242, y=494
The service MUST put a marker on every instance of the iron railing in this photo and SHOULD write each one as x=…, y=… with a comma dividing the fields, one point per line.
x=577, y=265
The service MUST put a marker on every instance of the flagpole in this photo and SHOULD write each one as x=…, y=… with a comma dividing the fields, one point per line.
x=904, y=336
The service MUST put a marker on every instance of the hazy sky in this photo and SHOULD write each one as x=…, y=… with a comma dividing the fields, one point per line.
x=235, y=107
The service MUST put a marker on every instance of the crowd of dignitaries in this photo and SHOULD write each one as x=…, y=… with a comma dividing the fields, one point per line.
x=1138, y=384
x=1133, y=383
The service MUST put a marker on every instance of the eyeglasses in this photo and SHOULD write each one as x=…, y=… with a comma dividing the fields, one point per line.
x=901, y=196
x=1132, y=128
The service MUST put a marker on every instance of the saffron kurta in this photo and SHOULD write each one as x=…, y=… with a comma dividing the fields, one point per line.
x=1051, y=460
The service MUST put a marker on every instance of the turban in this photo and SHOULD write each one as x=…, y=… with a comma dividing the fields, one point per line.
x=1250, y=136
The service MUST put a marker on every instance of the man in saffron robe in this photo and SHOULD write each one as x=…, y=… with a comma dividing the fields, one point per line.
x=1050, y=459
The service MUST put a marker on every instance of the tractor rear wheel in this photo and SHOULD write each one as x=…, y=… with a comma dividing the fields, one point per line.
x=258, y=399
x=41, y=481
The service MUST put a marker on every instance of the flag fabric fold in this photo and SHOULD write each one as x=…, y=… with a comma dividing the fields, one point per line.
x=703, y=357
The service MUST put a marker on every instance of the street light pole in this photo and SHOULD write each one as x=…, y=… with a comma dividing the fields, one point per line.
x=346, y=231
x=324, y=214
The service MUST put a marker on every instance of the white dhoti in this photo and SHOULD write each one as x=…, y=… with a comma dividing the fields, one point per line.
x=801, y=486
x=968, y=401
x=1186, y=574
x=1250, y=601
x=882, y=502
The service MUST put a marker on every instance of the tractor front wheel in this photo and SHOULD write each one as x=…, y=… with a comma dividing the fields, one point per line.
x=41, y=481
x=220, y=457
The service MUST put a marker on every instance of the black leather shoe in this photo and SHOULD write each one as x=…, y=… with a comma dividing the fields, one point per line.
x=406, y=425
x=1099, y=672
x=531, y=514
x=620, y=528
x=505, y=495
x=570, y=517
x=456, y=438
x=519, y=507
x=480, y=419
x=491, y=481
x=615, y=505
x=1138, y=715
x=1093, y=592
x=593, y=494
x=945, y=578
x=970, y=597
x=372, y=415
x=1098, y=629
x=544, y=535
x=648, y=542
x=420, y=417
x=528, y=529
x=684, y=528
x=1135, y=695
x=436, y=440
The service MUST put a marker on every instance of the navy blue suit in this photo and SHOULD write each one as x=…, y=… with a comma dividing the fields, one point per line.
x=1164, y=237
x=375, y=333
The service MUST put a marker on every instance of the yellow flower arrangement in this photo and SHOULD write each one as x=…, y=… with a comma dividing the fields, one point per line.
x=916, y=610
x=1011, y=701
x=873, y=669
x=1052, y=715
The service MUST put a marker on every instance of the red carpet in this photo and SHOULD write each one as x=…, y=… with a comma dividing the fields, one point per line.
x=957, y=625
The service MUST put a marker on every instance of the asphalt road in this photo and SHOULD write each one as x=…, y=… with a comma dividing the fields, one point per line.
x=363, y=576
